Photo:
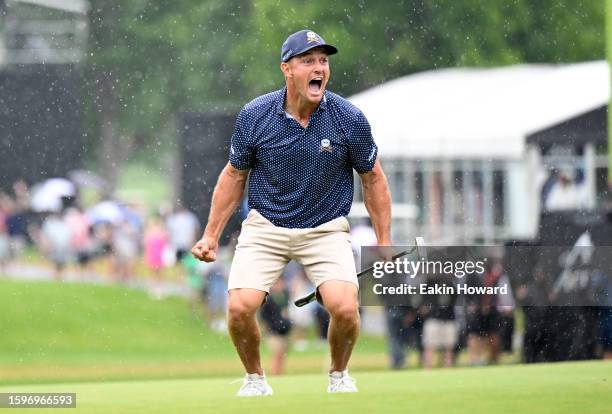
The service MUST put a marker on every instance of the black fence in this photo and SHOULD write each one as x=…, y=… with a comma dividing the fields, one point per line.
x=40, y=123
x=204, y=143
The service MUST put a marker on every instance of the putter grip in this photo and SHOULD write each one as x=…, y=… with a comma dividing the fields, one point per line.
x=305, y=300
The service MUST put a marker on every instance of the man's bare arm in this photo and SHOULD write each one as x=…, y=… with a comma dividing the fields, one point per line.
x=377, y=199
x=226, y=197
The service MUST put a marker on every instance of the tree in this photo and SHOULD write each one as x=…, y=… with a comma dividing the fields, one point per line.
x=380, y=41
x=149, y=60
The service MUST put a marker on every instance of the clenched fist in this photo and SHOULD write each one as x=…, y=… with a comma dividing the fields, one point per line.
x=205, y=249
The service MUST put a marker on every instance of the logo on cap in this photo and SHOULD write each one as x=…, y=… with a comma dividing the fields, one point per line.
x=312, y=37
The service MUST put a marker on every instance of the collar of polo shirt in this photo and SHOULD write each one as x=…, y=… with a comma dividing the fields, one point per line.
x=280, y=105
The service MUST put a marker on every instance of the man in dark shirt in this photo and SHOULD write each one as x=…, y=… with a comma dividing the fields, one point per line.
x=298, y=146
x=440, y=330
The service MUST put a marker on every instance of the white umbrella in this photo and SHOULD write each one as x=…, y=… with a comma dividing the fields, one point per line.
x=108, y=211
x=47, y=196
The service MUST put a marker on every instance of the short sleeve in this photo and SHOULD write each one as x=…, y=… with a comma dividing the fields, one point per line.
x=241, y=152
x=362, y=148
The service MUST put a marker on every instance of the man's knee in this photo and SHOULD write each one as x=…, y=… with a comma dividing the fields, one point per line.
x=343, y=310
x=340, y=300
x=243, y=304
x=237, y=311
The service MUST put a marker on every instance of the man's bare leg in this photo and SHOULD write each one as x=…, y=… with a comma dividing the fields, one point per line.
x=242, y=326
x=340, y=300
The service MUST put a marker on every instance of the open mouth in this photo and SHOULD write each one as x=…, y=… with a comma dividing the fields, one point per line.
x=315, y=85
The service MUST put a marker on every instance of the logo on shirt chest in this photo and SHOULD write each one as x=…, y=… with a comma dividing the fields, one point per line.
x=325, y=146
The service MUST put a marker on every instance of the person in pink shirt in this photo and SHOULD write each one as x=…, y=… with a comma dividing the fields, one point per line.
x=80, y=240
x=155, y=242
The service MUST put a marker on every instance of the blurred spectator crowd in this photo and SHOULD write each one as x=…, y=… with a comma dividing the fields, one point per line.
x=118, y=240
x=438, y=327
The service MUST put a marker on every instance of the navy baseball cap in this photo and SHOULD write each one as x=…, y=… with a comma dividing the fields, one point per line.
x=301, y=42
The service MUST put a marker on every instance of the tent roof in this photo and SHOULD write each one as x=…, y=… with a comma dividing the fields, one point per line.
x=72, y=6
x=479, y=113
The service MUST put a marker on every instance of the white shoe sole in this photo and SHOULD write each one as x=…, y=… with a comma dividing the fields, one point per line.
x=266, y=394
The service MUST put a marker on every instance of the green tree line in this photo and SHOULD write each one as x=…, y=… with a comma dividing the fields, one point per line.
x=148, y=60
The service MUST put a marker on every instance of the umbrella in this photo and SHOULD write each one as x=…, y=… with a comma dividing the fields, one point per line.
x=48, y=195
x=106, y=211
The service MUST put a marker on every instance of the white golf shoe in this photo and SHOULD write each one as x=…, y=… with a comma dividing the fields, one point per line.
x=341, y=382
x=254, y=385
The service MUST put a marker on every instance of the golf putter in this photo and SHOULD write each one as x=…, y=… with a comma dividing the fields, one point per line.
x=419, y=247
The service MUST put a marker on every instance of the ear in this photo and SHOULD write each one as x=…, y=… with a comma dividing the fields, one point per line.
x=286, y=69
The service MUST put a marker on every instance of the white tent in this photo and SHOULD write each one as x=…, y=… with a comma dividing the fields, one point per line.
x=74, y=6
x=479, y=113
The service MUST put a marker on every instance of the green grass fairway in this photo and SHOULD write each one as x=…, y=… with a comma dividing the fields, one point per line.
x=584, y=387
x=66, y=332
x=122, y=352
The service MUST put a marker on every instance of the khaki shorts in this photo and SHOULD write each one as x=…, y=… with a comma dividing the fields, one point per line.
x=264, y=250
x=439, y=334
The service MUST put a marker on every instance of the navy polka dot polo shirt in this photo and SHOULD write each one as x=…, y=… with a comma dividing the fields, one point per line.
x=301, y=177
